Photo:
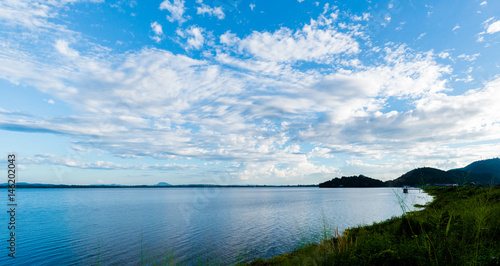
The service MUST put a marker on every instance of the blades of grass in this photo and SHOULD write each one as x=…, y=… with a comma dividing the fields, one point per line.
x=448, y=225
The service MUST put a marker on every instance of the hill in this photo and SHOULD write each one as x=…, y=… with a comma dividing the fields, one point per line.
x=353, y=181
x=422, y=176
x=483, y=172
x=490, y=166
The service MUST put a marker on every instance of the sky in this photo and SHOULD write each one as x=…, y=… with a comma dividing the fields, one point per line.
x=246, y=91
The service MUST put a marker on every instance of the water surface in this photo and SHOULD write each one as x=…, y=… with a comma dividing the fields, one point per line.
x=130, y=226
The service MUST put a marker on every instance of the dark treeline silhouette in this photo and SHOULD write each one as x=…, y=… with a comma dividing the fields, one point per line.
x=485, y=172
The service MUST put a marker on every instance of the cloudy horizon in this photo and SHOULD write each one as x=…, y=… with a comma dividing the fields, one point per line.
x=246, y=92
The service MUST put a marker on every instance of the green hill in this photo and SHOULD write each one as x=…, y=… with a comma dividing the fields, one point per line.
x=490, y=166
x=423, y=176
x=353, y=181
x=466, y=177
x=483, y=172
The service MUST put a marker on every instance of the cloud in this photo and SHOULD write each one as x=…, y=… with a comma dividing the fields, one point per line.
x=211, y=11
x=194, y=37
x=26, y=13
x=483, y=3
x=182, y=107
x=62, y=46
x=157, y=29
x=34, y=14
x=444, y=55
x=252, y=6
x=455, y=28
x=75, y=161
x=284, y=45
x=493, y=27
x=469, y=58
x=78, y=148
x=176, y=9
x=257, y=103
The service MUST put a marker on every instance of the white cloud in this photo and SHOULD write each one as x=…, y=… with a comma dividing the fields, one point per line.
x=62, y=46
x=483, y=3
x=319, y=152
x=421, y=35
x=455, y=28
x=444, y=55
x=176, y=9
x=163, y=97
x=34, y=14
x=78, y=148
x=469, y=58
x=211, y=11
x=80, y=162
x=488, y=21
x=493, y=27
x=307, y=44
x=254, y=104
x=158, y=30
x=252, y=6
x=302, y=170
x=26, y=13
x=194, y=37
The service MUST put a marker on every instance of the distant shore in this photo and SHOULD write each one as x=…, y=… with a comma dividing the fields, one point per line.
x=29, y=185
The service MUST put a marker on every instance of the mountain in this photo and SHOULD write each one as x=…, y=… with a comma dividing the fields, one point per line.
x=466, y=177
x=484, y=172
x=163, y=184
x=353, y=181
x=490, y=166
x=423, y=176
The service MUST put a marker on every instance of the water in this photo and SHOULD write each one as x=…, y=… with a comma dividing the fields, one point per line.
x=130, y=226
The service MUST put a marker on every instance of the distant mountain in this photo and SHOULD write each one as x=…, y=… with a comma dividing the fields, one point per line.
x=466, y=177
x=353, y=181
x=490, y=166
x=422, y=176
x=484, y=172
x=161, y=184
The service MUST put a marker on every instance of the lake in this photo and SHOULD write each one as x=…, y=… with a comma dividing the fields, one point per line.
x=130, y=226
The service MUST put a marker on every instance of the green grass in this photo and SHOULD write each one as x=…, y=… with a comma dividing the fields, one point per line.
x=461, y=226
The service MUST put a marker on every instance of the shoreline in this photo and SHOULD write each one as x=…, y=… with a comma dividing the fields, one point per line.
x=459, y=226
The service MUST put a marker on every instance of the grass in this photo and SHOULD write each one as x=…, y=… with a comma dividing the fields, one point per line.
x=461, y=226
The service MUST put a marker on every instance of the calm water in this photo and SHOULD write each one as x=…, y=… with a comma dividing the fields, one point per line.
x=117, y=226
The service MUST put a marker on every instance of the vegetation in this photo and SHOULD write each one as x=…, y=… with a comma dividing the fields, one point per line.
x=423, y=176
x=490, y=166
x=353, y=181
x=485, y=172
x=461, y=226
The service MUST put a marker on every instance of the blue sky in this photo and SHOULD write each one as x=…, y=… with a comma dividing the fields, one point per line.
x=246, y=92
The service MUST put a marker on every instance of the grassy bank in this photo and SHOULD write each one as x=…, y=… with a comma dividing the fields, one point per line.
x=461, y=226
